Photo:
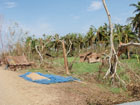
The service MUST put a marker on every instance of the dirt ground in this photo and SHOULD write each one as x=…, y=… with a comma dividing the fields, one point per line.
x=14, y=90
x=17, y=91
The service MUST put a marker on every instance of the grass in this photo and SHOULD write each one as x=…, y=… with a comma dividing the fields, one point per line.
x=115, y=90
x=81, y=67
x=112, y=89
x=84, y=67
x=132, y=63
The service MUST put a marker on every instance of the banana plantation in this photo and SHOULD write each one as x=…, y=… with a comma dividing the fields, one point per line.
x=96, y=40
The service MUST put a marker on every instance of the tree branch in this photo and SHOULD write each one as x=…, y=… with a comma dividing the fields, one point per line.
x=129, y=44
x=39, y=53
x=69, y=47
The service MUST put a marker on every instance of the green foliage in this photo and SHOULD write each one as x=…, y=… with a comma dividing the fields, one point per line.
x=135, y=21
x=135, y=56
x=124, y=56
x=96, y=40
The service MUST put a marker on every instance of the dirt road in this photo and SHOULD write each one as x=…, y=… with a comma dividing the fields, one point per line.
x=17, y=91
x=14, y=90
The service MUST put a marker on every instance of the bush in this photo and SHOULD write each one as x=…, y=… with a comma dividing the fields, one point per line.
x=124, y=56
x=135, y=56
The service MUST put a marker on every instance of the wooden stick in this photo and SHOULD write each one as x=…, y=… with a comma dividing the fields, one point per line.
x=65, y=57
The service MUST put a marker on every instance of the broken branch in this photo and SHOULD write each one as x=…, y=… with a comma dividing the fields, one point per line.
x=69, y=47
x=39, y=53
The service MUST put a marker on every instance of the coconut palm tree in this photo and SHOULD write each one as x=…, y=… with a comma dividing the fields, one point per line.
x=135, y=21
x=90, y=37
x=81, y=41
x=124, y=33
x=102, y=37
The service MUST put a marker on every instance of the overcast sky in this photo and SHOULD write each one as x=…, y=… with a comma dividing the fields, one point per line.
x=63, y=16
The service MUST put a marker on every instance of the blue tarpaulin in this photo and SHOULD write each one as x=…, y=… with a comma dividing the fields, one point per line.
x=52, y=78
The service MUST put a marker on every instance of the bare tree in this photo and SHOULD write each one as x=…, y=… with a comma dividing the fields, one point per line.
x=113, y=58
x=1, y=22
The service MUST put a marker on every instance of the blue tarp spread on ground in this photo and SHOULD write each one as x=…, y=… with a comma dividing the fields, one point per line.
x=52, y=78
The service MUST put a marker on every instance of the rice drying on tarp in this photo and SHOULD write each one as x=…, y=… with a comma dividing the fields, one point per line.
x=46, y=78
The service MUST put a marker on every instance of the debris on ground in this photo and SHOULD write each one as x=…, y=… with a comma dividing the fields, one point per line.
x=134, y=90
x=16, y=62
x=90, y=57
x=84, y=56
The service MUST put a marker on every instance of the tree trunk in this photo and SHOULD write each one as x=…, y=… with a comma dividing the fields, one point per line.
x=113, y=58
x=65, y=58
x=128, y=53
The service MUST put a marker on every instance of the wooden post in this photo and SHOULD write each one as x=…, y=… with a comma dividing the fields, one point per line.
x=65, y=58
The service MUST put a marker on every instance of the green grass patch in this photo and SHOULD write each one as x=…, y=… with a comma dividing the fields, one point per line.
x=112, y=89
x=83, y=67
x=80, y=67
x=115, y=90
x=131, y=63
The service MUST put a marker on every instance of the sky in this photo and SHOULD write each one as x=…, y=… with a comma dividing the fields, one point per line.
x=63, y=16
